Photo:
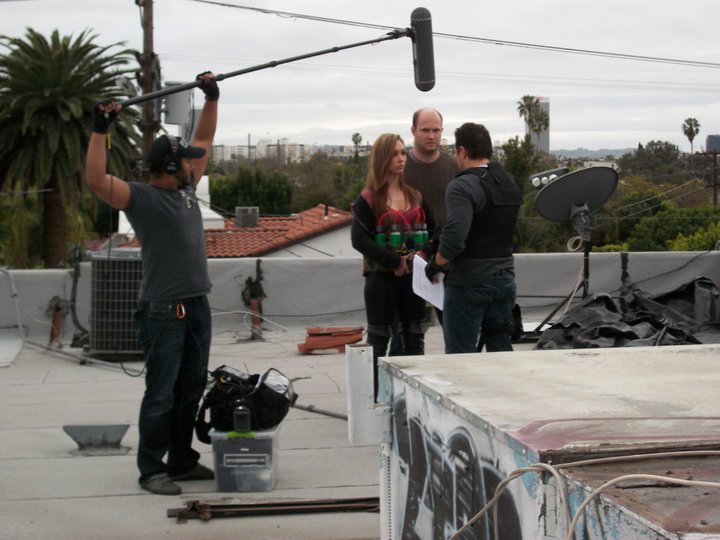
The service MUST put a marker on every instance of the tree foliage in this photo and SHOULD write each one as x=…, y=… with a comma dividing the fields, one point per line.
x=271, y=192
x=520, y=160
x=690, y=128
x=656, y=233
x=654, y=159
x=536, y=118
x=703, y=239
x=48, y=88
x=357, y=140
x=323, y=180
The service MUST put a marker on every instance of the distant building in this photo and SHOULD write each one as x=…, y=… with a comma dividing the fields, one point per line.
x=600, y=163
x=231, y=152
x=282, y=149
x=543, y=142
x=712, y=143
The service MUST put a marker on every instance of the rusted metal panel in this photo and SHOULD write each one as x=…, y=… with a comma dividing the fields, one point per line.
x=572, y=439
x=671, y=508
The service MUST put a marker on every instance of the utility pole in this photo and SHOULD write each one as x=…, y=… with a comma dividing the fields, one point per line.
x=149, y=81
x=714, y=185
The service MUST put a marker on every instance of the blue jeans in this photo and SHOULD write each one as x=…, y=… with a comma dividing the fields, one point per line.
x=486, y=307
x=176, y=350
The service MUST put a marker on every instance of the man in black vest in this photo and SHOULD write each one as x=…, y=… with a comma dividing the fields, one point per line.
x=475, y=247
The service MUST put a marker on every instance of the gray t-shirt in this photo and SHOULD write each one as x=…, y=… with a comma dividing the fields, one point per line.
x=169, y=227
x=431, y=179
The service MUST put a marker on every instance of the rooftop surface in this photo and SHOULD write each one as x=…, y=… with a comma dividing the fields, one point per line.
x=48, y=491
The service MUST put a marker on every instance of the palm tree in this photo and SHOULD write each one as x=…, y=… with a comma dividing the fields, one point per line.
x=539, y=123
x=536, y=118
x=690, y=128
x=356, y=139
x=526, y=107
x=48, y=89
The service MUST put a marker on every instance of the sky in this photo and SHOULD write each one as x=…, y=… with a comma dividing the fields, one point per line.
x=485, y=57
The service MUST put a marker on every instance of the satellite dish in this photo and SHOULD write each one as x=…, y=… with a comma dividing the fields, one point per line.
x=590, y=188
x=574, y=197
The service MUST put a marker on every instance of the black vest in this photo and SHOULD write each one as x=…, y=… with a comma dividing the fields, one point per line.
x=492, y=229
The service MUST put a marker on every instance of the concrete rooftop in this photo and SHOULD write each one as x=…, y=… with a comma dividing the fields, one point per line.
x=49, y=492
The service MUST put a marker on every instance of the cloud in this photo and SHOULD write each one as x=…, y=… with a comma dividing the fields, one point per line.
x=595, y=101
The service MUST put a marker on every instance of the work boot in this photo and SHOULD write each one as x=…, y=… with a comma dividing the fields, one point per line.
x=414, y=344
x=414, y=334
x=161, y=484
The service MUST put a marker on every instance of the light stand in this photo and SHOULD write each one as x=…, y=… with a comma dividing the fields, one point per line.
x=584, y=223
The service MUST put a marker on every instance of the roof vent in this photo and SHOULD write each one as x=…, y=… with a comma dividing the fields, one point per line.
x=247, y=216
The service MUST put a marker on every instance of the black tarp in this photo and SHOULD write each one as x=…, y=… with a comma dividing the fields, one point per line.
x=688, y=315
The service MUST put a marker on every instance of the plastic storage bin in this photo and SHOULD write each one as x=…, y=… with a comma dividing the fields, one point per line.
x=245, y=461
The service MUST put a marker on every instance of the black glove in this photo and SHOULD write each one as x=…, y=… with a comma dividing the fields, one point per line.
x=209, y=87
x=432, y=268
x=102, y=119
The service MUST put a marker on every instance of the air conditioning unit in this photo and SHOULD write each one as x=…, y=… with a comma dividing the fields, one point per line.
x=247, y=216
x=115, y=287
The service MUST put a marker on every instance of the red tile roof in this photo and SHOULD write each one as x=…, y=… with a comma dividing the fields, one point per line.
x=273, y=233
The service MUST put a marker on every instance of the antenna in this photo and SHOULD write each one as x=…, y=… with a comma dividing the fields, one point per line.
x=575, y=197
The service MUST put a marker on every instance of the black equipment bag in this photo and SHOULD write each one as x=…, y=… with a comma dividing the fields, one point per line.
x=238, y=401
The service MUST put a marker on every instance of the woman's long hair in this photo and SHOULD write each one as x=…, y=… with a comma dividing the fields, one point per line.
x=377, y=182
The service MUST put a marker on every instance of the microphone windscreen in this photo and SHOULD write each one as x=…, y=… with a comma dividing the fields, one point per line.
x=423, y=59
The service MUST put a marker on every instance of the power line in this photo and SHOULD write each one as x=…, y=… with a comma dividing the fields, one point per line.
x=499, y=78
x=476, y=39
x=658, y=195
x=587, y=52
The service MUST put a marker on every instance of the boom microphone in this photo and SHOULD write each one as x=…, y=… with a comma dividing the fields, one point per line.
x=423, y=60
x=420, y=32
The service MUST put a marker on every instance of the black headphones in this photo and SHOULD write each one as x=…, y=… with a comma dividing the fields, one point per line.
x=171, y=163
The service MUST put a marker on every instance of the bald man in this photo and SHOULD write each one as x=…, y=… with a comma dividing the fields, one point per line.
x=429, y=171
x=427, y=168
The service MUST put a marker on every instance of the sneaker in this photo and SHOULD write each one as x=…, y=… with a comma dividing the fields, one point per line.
x=200, y=472
x=161, y=485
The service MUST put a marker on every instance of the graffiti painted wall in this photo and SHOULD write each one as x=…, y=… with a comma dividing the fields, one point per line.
x=445, y=469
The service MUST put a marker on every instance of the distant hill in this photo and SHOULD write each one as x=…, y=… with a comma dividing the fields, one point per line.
x=594, y=154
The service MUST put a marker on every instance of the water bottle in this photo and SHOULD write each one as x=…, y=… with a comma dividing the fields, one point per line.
x=395, y=236
x=425, y=233
x=418, y=236
x=380, y=236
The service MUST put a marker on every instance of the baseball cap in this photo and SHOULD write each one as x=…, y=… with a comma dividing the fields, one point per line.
x=165, y=146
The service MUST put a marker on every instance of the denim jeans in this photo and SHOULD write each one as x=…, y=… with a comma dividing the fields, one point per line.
x=486, y=307
x=175, y=337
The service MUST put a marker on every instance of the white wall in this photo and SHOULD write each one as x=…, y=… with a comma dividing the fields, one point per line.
x=316, y=291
